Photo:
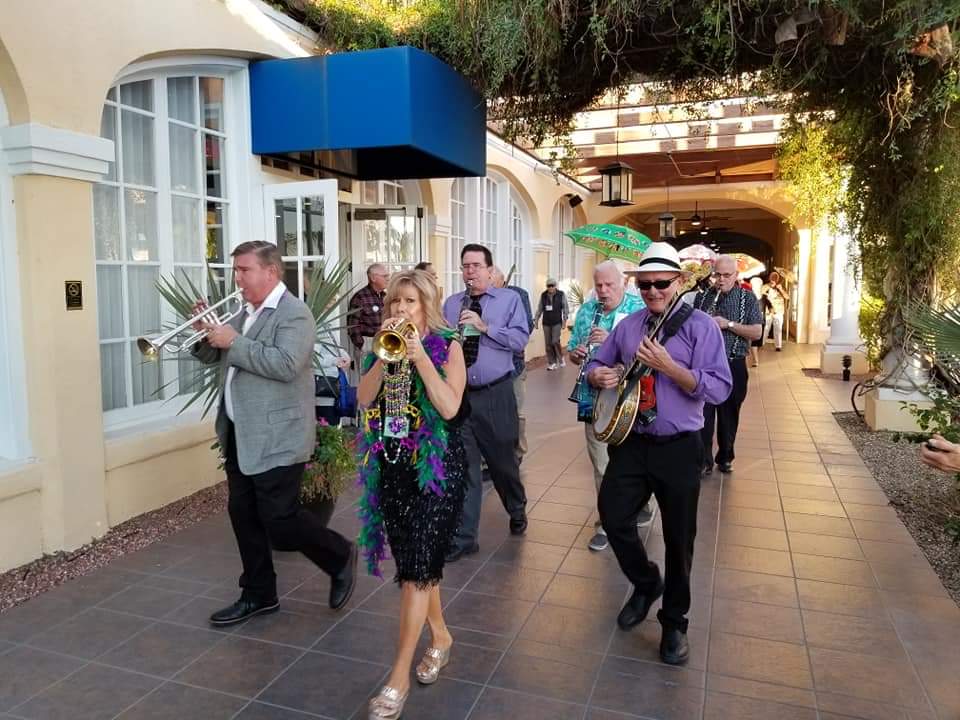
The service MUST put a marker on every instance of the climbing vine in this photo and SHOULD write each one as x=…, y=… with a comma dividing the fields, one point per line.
x=872, y=88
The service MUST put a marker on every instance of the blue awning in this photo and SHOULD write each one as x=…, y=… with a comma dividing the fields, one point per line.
x=403, y=112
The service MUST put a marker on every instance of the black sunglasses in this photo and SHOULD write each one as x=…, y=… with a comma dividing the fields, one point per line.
x=658, y=284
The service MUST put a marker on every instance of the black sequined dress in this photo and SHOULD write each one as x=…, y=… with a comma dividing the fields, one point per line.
x=420, y=524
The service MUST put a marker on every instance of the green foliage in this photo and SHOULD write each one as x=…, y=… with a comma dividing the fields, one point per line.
x=871, y=329
x=333, y=465
x=943, y=418
x=813, y=166
x=201, y=383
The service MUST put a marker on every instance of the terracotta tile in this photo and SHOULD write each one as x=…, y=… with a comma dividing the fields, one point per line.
x=826, y=545
x=757, y=501
x=754, y=537
x=869, y=636
x=906, y=554
x=749, y=559
x=757, y=659
x=886, y=532
x=828, y=569
x=868, y=677
x=863, y=497
x=854, y=482
x=770, y=622
x=842, y=707
x=807, y=492
x=761, y=690
x=757, y=587
x=737, y=484
x=841, y=470
x=752, y=517
x=804, y=478
x=798, y=467
x=796, y=456
x=850, y=459
x=877, y=513
x=798, y=522
x=719, y=706
x=844, y=599
x=813, y=507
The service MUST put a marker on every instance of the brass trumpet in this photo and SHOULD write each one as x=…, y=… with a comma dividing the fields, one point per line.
x=151, y=346
x=390, y=345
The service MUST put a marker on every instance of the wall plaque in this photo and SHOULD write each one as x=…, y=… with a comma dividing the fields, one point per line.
x=73, y=292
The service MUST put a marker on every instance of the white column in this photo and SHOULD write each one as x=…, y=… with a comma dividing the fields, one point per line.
x=845, y=314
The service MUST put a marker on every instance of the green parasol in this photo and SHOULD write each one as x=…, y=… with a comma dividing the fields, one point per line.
x=613, y=241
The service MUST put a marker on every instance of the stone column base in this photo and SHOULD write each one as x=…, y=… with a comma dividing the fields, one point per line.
x=884, y=409
x=831, y=359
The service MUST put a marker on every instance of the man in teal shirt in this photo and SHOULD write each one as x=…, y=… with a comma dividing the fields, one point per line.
x=595, y=319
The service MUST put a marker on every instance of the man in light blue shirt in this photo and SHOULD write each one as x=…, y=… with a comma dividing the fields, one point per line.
x=495, y=328
x=596, y=319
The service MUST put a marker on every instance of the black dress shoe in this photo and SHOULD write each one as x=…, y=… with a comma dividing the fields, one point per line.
x=518, y=525
x=342, y=584
x=707, y=470
x=674, y=648
x=726, y=468
x=637, y=607
x=241, y=610
x=459, y=551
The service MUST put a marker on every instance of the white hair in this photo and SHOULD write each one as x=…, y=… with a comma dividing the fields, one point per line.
x=607, y=265
x=725, y=259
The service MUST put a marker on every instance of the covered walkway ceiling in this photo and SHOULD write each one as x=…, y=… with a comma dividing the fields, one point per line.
x=666, y=142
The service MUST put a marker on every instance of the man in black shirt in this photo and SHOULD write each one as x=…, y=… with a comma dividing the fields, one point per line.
x=553, y=308
x=737, y=314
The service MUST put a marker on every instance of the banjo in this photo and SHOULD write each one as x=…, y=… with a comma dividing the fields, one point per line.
x=617, y=409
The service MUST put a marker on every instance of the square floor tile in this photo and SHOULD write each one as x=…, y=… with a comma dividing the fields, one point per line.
x=25, y=672
x=92, y=693
x=585, y=594
x=752, y=517
x=551, y=533
x=498, y=704
x=843, y=599
x=362, y=636
x=754, y=537
x=537, y=556
x=91, y=633
x=818, y=524
x=555, y=512
x=868, y=677
x=761, y=691
x=771, y=622
x=719, y=706
x=650, y=690
x=239, y=666
x=487, y=613
x=758, y=659
x=868, y=636
x=446, y=699
x=749, y=559
x=757, y=501
x=162, y=649
x=286, y=628
x=825, y=545
x=569, y=628
x=506, y=581
x=147, y=602
x=542, y=676
x=813, y=507
x=331, y=686
x=643, y=643
x=838, y=570
x=755, y=587
x=174, y=702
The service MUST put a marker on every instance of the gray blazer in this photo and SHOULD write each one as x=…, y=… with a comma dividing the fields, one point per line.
x=273, y=388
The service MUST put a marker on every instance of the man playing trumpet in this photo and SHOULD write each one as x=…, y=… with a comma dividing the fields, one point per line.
x=662, y=457
x=266, y=428
x=595, y=319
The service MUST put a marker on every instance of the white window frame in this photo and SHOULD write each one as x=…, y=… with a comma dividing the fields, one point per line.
x=459, y=191
x=236, y=153
x=14, y=444
x=564, y=265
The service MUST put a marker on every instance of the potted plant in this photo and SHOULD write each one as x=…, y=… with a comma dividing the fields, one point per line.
x=329, y=471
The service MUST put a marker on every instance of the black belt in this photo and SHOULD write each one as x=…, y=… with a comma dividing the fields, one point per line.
x=474, y=388
x=735, y=359
x=664, y=439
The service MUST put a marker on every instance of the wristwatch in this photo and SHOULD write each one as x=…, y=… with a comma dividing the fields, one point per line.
x=731, y=325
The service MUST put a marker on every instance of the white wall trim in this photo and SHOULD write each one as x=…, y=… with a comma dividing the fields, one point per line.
x=538, y=166
x=35, y=149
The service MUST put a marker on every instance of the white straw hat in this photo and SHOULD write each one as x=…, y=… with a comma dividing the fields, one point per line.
x=660, y=257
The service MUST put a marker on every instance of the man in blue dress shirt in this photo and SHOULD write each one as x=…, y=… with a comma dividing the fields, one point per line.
x=661, y=457
x=495, y=328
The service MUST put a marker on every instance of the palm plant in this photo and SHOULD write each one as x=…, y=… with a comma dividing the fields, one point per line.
x=201, y=383
x=937, y=332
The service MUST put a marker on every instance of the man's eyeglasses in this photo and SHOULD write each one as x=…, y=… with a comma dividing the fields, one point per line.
x=472, y=266
x=658, y=284
x=725, y=276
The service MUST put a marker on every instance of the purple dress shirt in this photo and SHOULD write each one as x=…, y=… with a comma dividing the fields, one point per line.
x=507, y=333
x=698, y=347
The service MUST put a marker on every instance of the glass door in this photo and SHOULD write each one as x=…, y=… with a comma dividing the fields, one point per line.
x=388, y=235
x=301, y=219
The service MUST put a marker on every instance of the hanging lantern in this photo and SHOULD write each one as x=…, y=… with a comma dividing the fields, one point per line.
x=617, y=186
x=667, y=229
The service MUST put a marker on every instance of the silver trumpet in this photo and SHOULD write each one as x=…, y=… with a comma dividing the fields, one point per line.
x=219, y=314
x=591, y=348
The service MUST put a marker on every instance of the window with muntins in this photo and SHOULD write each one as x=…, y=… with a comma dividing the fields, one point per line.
x=160, y=211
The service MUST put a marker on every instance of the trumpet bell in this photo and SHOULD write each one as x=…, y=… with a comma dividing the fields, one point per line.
x=391, y=345
x=148, y=348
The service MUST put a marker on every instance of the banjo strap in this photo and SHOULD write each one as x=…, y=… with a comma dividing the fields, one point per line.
x=648, y=393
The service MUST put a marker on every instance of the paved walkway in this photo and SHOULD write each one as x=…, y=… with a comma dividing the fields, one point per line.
x=810, y=601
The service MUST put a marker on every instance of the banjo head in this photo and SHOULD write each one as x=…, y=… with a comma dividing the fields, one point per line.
x=604, y=409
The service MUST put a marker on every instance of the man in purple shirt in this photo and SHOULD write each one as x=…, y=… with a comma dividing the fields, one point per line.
x=494, y=327
x=662, y=457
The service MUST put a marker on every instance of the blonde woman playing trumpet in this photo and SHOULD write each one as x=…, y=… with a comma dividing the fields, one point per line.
x=413, y=471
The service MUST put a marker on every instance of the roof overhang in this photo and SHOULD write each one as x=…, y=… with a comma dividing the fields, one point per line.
x=404, y=113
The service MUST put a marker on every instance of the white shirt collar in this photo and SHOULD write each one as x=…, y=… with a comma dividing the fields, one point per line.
x=271, y=301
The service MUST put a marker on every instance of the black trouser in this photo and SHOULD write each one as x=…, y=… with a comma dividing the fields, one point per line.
x=639, y=467
x=491, y=431
x=265, y=512
x=726, y=416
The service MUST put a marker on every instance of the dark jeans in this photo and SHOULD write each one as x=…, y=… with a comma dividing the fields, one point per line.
x=491, y=431
x=669, y=471
x=266, y=513
x=726, y=417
